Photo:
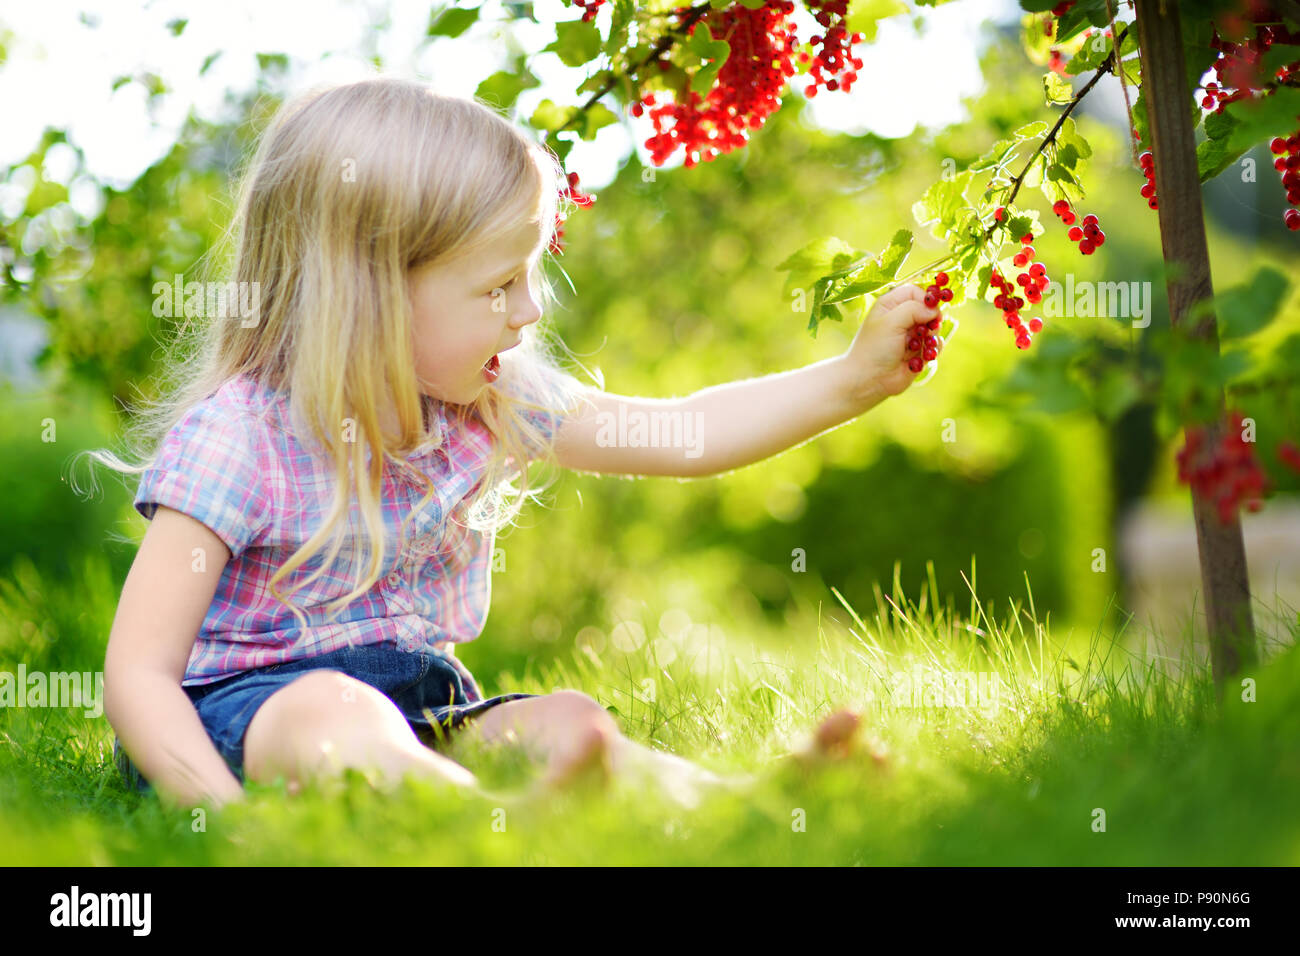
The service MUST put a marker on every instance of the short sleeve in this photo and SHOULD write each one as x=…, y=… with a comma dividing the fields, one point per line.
x=207, y=468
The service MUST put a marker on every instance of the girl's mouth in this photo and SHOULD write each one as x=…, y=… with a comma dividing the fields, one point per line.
x=492, y=368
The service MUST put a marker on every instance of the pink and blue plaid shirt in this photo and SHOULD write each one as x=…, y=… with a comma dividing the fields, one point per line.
x=233, y=463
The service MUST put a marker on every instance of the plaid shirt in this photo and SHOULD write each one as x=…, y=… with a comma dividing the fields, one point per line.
x=233, y=464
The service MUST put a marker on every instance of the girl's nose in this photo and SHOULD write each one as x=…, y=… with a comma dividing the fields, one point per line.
x=528, y=312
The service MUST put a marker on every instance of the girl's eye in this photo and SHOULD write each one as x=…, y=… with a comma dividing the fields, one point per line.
x=504, y=287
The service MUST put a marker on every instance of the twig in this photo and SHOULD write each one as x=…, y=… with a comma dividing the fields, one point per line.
x=1123, y=86
x=1106, y=67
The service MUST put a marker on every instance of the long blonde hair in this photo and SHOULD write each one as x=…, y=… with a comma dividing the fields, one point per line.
x=351, y=187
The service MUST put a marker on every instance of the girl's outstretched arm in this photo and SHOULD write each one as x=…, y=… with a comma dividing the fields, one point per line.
x=725, y=427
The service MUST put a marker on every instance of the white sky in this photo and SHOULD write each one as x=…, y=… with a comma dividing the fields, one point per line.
x=59, y=72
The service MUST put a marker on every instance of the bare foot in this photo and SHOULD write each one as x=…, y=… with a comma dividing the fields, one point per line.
x=586, y=761
x=834, y=739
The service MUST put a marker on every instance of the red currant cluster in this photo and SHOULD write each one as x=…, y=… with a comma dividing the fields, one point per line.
x=1033, y=283
x=1148, y=163
x=835, y=55
x=920, y=339
x=1035, y=280
x=1063, y=212
x=1087, y=234
x=749, y=85
x=1237, y=67
x=578, y=198
x=1060, y=9
x=1226, y=472
x=589, y=8
x=1289, y=166
x=1289, y=455
x=937, y=292
x=747, y=89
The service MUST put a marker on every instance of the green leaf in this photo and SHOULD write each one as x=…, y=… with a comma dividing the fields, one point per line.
x=1213, y=156
x=207, y=62
x=1220, y=125
x=177, y=26
x=1091, y=55
x=1260, y=120
x=576, y=42
x=1057, y=89
x=596, y=116
x=996, y=157
x=877, y=272
x=624, y=11
x=451, y=22
x=1030, y=130
x=503, y=87
x=1019, y=226
x=712, y=53
x=940, y=203
x=1083, y=14
x=817, y=259
x=1068, y=135
x=550, y=116
x=272, y=62
x=595, y=81
x=1058, y=173
x=864, y=15
x=1245, y=309
x=561, y=147
x=1140, y=120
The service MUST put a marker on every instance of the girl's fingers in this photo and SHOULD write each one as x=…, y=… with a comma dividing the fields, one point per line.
x=910, y=313
x=896, y=297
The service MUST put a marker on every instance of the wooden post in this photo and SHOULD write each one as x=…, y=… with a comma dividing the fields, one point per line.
x=1222, y=551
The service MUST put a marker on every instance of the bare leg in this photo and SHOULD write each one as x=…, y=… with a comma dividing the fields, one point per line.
x=570, y=731
x=576, y=736
x=325, y=721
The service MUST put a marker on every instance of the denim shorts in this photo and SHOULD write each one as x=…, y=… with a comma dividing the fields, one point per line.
x=425, y=688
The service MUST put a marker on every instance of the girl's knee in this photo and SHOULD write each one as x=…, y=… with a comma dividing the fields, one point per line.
x=320, y=709
x=585, y=710
x=325, y=694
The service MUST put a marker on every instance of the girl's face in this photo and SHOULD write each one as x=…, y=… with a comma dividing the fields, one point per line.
x=467, y=310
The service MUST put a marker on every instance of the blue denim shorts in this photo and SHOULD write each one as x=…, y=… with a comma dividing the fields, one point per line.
x=423, y=685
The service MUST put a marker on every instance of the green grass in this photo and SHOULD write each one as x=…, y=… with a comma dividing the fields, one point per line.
x=1081, y=724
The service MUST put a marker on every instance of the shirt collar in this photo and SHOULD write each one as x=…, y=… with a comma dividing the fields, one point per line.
x=438, y=430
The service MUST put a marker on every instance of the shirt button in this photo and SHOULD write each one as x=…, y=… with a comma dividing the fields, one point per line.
x=393, y=579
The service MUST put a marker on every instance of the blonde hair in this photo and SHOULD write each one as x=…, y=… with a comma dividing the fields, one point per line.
x=434, y=177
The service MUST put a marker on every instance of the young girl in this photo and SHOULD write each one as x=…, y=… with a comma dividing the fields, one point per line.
x=326, y=476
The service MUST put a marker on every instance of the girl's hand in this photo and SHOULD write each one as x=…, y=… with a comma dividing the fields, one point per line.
x=877, y=359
